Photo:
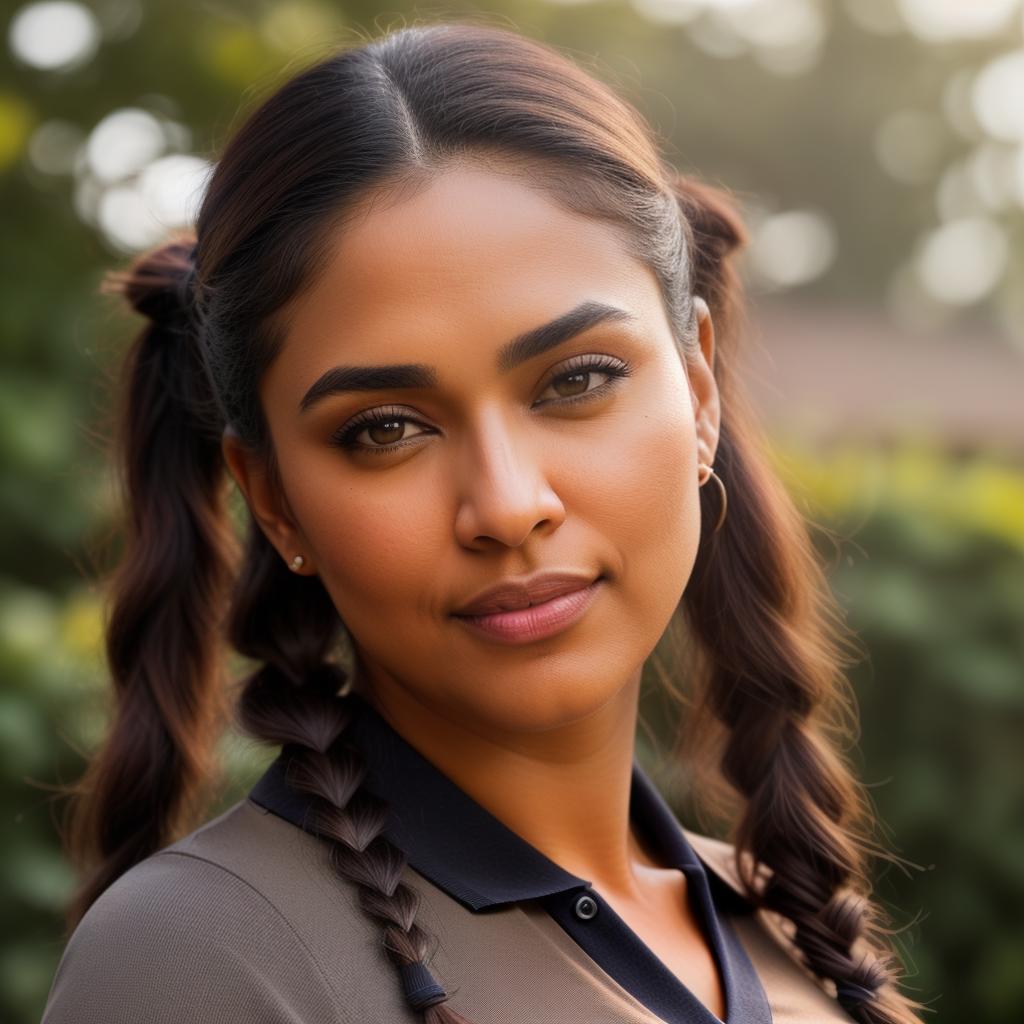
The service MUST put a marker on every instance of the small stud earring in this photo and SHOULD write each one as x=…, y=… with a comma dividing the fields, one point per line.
x=297, y=563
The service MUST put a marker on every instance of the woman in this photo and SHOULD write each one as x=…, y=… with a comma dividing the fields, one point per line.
x=464, y=341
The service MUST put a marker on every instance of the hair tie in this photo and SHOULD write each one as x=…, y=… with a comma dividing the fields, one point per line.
x=421, y=988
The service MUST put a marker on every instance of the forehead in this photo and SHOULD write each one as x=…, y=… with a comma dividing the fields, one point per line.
x=473, y=257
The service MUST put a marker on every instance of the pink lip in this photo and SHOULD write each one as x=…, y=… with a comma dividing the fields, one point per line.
x=520, y=592
x=525, y=625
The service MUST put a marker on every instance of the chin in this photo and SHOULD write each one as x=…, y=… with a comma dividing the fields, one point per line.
x=538, y=701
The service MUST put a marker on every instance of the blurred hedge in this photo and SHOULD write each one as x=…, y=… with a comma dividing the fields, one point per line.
x=932, y=576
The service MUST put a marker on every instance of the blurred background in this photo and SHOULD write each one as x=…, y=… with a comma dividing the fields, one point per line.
x=877, y=150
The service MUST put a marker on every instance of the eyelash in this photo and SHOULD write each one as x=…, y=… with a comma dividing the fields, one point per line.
x=614, y=369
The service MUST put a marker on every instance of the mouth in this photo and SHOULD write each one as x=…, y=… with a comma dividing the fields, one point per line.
x=532, y=619
x=517, y=593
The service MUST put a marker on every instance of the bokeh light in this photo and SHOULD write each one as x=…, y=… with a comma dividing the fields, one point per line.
x=54, y=145
x=15, y=125
x=962, y=261
x=992, y=173
x=909, y=144
x=123, y=143
x=942, y=20
x=137, y=214
x=792, y=248
x=172, y=188
x=783, y=36
x=54, y=35
x=998, y=96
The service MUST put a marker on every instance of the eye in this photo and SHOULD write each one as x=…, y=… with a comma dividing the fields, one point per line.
x=575, y=381
x=384, y=430
x=390, y=428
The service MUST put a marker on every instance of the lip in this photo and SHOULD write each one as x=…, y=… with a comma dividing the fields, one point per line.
x=521, y=592
x=547, y=604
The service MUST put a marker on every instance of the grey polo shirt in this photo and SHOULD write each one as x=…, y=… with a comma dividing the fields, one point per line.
x=244, y=920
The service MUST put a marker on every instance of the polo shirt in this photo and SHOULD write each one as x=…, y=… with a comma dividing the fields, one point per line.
x=245, y=921
x=472, y=856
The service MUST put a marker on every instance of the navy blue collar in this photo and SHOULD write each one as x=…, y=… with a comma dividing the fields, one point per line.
x=457, y=843
x=471, y=855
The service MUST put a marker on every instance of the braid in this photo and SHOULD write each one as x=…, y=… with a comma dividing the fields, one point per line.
x=769, y=660
x=803, y=812
x=167, y=596
x=293, y=700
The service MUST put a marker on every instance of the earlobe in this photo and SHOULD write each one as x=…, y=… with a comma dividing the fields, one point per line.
x=265, y=502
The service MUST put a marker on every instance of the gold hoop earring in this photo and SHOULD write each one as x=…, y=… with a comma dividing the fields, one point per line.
x=296, y=563
x=721, y=487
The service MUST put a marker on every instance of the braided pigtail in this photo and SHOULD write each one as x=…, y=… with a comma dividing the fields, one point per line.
x=167, y=595
x=771, y=644
x=289, y=622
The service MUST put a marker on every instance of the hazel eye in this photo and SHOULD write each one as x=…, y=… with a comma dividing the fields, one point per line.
x=577, y=381
x=385, y=431
x=379, y=430
x=572, y=383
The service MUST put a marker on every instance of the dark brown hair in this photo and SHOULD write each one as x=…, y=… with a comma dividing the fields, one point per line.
x=365, y=122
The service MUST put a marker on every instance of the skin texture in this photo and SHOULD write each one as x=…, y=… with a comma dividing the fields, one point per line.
x=491, y=484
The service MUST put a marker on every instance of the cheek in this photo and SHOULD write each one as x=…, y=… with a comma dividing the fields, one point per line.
x=377, y=542
x=649, y=506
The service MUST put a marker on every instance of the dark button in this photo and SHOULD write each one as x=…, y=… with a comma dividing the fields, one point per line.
x=586, y=907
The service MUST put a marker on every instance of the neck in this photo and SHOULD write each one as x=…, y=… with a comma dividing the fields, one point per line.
x=564, y=790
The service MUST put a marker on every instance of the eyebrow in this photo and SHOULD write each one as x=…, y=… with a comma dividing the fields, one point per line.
x=526, y=346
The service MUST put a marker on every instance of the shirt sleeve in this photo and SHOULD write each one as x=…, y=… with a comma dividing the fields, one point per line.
x=178, y=938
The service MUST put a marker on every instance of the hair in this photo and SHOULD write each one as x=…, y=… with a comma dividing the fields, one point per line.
x=366, y=121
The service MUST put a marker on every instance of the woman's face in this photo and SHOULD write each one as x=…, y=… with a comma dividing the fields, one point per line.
x=488, y=463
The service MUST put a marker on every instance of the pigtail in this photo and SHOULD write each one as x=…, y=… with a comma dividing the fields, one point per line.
x=147, y=783
x=715, y=232
x=772, y=643
x=289, y=622
x=171, y=610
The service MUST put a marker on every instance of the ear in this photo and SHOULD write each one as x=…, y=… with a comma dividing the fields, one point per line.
x=703, y=386
x=268, y=504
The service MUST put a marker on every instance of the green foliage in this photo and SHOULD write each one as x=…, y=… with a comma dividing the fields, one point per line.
x=929, y=563
x=49, y=662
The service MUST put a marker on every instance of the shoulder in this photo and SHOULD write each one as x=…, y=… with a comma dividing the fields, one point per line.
x=718, y=855
x=186, y=935
x=796, y=995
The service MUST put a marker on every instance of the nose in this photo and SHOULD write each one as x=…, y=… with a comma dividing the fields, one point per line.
x=504, y=492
